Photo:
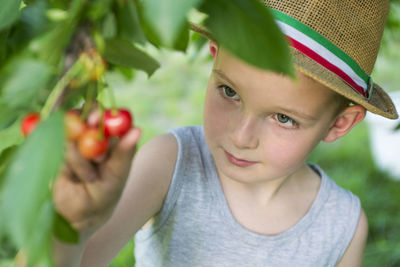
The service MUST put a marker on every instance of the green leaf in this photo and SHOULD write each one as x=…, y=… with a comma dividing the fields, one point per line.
x=20, y=83
x=125, y=256
x=98, y=9
x=109, y=26
x=21, y=80
x=129, y=27
x=31, y=23
x=166, y=18
x=8, y=115
x=33, y=19
x=27, y=180
x=247, y=29
x=182, y=41
x=125, y=54
x=50, y=47
x=9, y=12
x=149, y=32
x=10, y=136
x=397, y=127
x=2, y=222
x=5, y=158
x=63, y=231
x=39, y=242
x=127, y=73
x=4, y=35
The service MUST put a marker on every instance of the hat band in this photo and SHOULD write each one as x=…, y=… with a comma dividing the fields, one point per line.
x=324, y=52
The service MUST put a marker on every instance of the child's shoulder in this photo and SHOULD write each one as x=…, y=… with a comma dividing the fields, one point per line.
x=190, y=141
x=188, y=132
x=343, y=208
x=335, y=194
x=337, y=205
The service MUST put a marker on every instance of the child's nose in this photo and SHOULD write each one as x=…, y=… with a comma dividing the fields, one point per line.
x=244, y=133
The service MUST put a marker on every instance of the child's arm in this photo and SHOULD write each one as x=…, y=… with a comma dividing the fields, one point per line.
x=353, y=255
x=142, y=198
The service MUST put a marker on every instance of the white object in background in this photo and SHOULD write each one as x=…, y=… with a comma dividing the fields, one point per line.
x=385, y=142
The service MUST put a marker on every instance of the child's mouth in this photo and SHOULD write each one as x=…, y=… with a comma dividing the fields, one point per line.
x=238, y=162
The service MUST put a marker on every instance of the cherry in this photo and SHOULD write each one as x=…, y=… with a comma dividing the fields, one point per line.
x=92, y=143
x=74, y=125
x=117, y=122
x=29, y=123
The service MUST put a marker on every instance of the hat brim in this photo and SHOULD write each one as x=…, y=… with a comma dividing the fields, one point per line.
x=379, y=102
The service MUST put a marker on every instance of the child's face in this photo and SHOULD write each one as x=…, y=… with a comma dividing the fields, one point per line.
x=261, y=125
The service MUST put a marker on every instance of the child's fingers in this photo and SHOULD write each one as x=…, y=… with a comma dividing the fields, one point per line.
x=121, y=156
x=66, y=172
x=94, y=117
x=80, y=166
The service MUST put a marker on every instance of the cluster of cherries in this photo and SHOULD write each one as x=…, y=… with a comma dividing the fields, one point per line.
x=92, y=140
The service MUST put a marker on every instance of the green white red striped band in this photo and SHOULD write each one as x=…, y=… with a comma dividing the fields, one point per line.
x=324, y=52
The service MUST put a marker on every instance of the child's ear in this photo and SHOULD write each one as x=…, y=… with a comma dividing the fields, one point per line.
x=343, y=123
x=213, y=49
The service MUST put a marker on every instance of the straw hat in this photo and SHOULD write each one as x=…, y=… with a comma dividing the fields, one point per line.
x=335, y=42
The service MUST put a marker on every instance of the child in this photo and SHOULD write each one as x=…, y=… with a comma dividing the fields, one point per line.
x=237, y=191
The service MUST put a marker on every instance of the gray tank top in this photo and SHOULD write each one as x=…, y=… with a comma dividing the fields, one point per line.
x=195, y=226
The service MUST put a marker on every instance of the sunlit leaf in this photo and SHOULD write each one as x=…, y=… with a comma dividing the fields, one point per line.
x=127, y=73
x=166, y=18
x=125, y=256
x=247, y=29
x=27, y=179
x=125, y=54
x=9, y=12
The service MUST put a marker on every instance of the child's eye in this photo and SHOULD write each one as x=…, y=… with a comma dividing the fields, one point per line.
x=229, y=92
x=285, y=120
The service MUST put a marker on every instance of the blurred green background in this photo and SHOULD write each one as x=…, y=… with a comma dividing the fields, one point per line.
x=173, y=97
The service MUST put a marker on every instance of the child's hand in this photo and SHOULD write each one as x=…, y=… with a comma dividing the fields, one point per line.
x=85, y=192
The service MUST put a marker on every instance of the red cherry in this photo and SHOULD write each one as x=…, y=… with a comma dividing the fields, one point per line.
x=74, y=125
x=117, y=122
x=29, y=123
x=92, y=143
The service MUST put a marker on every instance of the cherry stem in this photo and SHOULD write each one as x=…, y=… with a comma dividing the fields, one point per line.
x=102, y=131
x=59, y=89
x=88, y=102
x=114, y=110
